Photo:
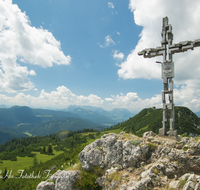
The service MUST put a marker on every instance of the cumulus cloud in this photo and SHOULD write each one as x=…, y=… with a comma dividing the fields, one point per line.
x=108, y=42
x=118, y=33
x=32, y=72
x=21, y=42
x=118, y=56
x=109, y=99
x=110, y=5
x=184, y=17
x=185, y=96
x=133, y=102
x=61, y=98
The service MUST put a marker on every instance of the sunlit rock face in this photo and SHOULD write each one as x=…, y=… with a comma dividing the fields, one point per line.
x=129, y=162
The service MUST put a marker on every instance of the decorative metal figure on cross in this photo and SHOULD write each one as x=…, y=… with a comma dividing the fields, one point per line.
x=167, y=49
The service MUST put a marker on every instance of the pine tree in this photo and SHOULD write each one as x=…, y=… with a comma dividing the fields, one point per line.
x=5, y=176
x=44, y=149
x=50, y=149
x=35, y=161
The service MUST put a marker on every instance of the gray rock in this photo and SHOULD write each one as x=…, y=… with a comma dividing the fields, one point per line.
x=185, y=176
x=107, y=151
x=143, y=184
x=171, y=169
x=174, y=184
x=123, y=187
x=190, y=185
x=101, y=181
x=149, y=134
x=197, y=186
x=65, y=180
x=44, y=185
x=165, y=150
x=192, y=177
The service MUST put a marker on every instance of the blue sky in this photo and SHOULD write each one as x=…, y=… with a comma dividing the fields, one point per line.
x=60, y=53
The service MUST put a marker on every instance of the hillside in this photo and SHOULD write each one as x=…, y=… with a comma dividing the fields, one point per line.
x=150, y=119
x=8, y=133
x=69, y=124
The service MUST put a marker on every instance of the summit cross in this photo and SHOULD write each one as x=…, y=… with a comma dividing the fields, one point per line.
x=167, y=49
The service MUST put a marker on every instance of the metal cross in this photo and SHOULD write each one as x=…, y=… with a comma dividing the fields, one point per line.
x=167, y=49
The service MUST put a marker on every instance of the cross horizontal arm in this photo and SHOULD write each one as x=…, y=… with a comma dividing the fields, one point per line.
x=152, y=52
x=174, y=48
x=183, y=46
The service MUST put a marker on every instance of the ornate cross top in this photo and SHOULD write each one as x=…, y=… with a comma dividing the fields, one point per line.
x=167, y=49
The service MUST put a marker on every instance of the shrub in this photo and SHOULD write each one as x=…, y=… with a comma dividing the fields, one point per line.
x=87, y=181
x=134, y=141
x=115, y=176
x=156, y=171
x=182, y=183
x=152, y=146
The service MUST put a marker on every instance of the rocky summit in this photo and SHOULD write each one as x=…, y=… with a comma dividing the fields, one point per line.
x=128, y=162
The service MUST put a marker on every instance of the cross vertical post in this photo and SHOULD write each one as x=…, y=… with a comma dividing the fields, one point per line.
x=167, y=49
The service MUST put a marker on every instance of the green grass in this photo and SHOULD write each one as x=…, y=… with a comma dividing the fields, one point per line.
x=27, y=133
x=20, y=164
x=143, y=129
x=116, y=131
x=26, y=162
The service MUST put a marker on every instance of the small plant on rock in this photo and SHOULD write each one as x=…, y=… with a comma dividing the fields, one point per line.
x=182, y=183
x=115, y=176
x=134, y=142
x=152, y=146
x=156, y=171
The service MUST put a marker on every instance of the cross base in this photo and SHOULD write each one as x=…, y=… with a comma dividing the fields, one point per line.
x=171, y=132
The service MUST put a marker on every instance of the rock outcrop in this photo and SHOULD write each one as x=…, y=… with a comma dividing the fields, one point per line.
x=133, y=163
x=64, y=180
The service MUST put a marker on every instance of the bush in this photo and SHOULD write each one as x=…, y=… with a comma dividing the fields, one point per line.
x=134, y=141
x=87, y=181
x=152, y=146
x=115, y=176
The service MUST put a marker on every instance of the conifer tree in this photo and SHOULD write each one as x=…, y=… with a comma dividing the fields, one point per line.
x=35, y=161
x=44, y=149
x=50, y=149
x=5, y=176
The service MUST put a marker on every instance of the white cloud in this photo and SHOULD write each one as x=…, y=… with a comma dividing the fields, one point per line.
x=109, y=99
x=19, y=41
x=118, y=33
x=119, y=56
x=184, y=17
x=108, y=42
x=61, y=98
x=133, y=102
x=185, y=96
x=32, y=72
x=110, y=5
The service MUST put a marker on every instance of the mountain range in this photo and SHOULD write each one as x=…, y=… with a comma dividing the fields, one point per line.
x=17, y=120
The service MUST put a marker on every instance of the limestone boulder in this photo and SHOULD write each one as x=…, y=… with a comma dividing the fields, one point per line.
x=109, y=151
x=65, y=180
x=44, y=185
